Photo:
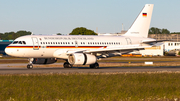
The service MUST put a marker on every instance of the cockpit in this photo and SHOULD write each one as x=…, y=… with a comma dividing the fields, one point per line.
x=19, y=42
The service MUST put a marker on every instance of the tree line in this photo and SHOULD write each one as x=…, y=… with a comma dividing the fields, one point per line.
x=154, y=30
x=76, y=31
x=13, y=35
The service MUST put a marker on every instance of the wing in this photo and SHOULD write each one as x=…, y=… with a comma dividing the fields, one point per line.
x=121, y=49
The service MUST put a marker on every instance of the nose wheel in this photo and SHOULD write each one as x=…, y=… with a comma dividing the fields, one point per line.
x=29, y=66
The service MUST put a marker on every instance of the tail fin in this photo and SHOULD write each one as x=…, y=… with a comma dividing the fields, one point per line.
x=140, y=27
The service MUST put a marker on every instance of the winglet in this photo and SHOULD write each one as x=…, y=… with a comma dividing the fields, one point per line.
x=140, y=27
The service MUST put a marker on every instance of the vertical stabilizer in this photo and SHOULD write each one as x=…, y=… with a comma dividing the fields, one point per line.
x=140, y=27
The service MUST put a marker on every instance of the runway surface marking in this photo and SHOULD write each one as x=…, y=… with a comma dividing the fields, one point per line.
x=51, y=70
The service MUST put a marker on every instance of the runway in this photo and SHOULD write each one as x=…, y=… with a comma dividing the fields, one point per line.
x=60, y=70
x=159, y=65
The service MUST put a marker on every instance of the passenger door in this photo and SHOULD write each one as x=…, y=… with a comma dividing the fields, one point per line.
x=35, y=43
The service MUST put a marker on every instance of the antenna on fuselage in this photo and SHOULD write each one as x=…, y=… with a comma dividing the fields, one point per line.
x=32, y=33
x=122, y=27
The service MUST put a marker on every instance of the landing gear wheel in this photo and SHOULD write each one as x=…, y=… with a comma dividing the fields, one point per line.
x=67, y=65
x=95, y=66
x=29, y=66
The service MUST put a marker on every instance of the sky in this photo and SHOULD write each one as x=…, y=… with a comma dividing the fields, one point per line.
x=62, y=16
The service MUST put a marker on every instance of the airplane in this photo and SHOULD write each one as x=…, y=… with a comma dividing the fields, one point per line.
x=83, y=49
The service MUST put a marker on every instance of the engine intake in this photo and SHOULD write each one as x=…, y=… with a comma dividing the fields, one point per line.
x=82, y=59
x=44, y=60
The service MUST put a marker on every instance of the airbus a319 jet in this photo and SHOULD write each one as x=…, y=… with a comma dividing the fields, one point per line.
x=83, y=50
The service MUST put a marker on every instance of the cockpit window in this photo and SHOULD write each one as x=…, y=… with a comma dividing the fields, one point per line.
x=15, y=42
x=24, y=42
x=19, y=42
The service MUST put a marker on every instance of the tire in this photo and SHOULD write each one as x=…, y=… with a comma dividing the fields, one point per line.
x=67, y=65
x=95, y=66
x=91, y=66
x=29, y=66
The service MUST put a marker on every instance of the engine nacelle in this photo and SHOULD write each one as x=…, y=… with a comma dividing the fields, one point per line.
x=44, y=60
x=82, y=59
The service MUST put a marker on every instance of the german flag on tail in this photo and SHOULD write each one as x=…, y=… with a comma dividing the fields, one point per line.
x=144, y=14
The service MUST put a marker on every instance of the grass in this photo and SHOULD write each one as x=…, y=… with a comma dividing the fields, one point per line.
x=90, y=87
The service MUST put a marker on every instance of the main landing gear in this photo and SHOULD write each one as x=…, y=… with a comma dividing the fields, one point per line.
x=67, y=65
x=95, y=65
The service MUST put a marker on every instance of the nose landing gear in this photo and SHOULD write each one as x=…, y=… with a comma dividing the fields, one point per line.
x=29, y=66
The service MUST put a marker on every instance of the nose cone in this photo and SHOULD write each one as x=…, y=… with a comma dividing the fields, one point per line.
x=8, y=51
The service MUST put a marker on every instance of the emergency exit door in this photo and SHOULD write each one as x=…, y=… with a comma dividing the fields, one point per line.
x=128, y=41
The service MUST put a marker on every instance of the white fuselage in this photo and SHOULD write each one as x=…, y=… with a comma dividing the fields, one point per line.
x=45, y=46
x=55, y=46
x=83, y=50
